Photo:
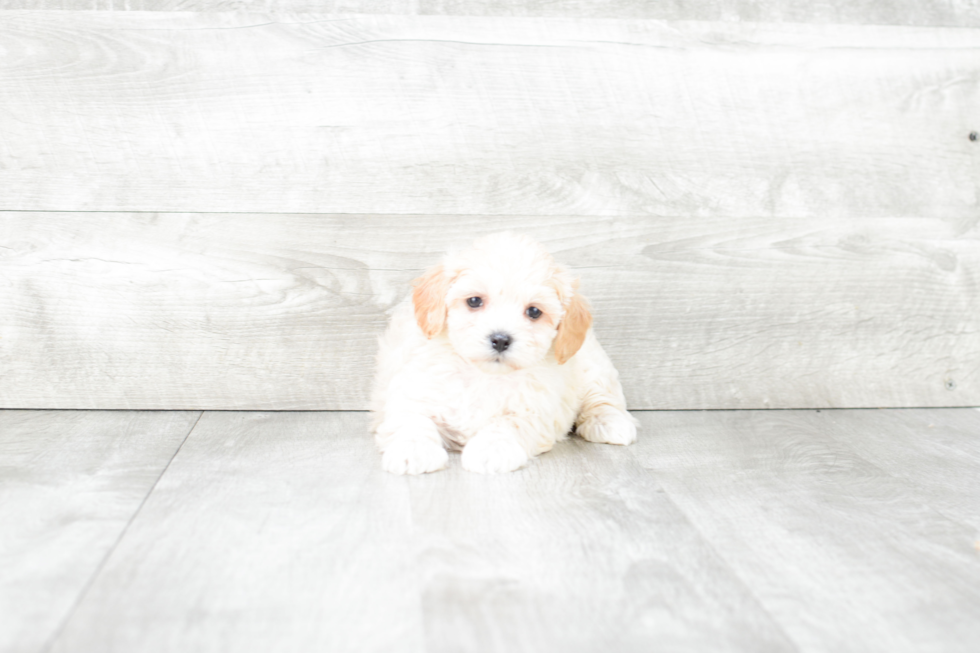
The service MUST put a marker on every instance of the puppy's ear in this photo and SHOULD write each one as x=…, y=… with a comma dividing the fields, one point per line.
x=429, y=298
x=572, y=329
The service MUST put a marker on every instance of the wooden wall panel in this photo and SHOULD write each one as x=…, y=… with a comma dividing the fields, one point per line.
x=218, y=210
x=953, y=13
x=282, y=311
x=485, y=115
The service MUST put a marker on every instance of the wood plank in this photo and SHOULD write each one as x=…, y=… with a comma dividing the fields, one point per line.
x=192, y=311
x=581, y=551
x=280, y=532
x=161, y=111
x=952, y=13
x=936, y=451
x=69, y=484
x=269, y=532
x=844, y=555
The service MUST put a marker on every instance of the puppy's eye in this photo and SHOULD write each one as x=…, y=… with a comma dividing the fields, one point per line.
x=533, y=312
x=474, y=302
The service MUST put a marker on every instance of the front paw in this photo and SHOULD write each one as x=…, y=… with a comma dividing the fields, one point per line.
x=493, y=454
x=610, y=426
x=408, y=455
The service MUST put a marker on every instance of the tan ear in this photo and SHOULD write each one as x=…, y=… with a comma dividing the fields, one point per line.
x=429, y=298
x=572, y=329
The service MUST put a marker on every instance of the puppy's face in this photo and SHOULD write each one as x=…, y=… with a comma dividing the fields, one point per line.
x=504, y=304
x=498, y=326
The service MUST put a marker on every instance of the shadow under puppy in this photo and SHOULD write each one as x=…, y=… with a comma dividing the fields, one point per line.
x=495, y=356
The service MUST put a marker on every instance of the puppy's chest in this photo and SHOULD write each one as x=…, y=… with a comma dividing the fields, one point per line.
x=473, y=401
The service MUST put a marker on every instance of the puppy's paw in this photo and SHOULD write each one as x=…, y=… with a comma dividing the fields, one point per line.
x=493, y=454
x=409, y=455
x=610, y=426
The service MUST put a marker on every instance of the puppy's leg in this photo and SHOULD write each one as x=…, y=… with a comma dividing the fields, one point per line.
x=497, y=448
x=603, y=416
x=410, y=444
x=606, y=424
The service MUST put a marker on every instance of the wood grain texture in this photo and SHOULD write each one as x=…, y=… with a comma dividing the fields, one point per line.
x=846, y=555
x=281, y=532
x=582, y=551
x=936, y=452
x=161, y=111
x=269, y=532
x=953, y=13
x=718, y=531
x=188, y=311
x=69, y=485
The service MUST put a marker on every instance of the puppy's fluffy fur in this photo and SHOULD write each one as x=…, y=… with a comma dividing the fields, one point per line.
x=493, y=355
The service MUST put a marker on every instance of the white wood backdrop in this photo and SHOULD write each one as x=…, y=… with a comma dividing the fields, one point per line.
x=282, y=311
x=202, y=210
x=117, y=111
x=954, y=13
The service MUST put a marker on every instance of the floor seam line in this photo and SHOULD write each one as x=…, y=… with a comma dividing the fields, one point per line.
x=105, y=559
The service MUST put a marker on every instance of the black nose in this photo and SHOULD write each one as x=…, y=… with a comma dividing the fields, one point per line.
x=500, y=341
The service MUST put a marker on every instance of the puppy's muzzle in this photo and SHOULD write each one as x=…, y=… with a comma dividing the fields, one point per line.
x=499, y=341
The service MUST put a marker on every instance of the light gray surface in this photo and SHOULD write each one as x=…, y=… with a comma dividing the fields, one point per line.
x=961, y=13
x=166, y=111
x=195, y=311
x=765, y=214
x=843, y=554
x=936, y=456
x=69, y=485
x=718, y=530
x=272, y=531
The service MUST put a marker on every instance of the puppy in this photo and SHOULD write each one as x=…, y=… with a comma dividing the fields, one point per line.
x=494, y=356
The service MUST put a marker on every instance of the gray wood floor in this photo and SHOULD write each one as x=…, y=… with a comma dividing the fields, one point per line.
x=853, y=530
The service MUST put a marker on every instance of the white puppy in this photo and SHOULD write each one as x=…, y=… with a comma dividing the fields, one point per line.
x=494, y=355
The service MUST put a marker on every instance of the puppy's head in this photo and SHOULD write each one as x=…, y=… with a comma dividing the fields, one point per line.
x=504, y=304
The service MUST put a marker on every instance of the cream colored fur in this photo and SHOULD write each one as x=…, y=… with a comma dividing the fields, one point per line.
x=441, y=383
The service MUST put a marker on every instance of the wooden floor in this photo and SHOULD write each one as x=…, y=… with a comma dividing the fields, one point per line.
x=849, y=530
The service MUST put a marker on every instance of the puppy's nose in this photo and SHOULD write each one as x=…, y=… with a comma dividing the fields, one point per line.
x=500, y=341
